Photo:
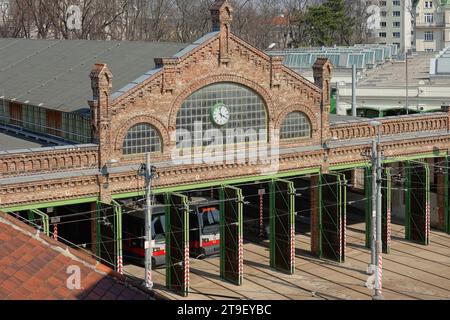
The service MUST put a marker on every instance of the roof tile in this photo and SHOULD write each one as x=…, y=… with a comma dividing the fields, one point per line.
x=30, y=269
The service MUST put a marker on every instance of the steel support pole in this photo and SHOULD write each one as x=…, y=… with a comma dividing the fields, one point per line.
x=354, y=79
x=407, y=84
x=379, y=243
x=148, y=224
x=372, y=265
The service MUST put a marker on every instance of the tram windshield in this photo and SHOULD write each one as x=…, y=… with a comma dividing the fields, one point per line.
x=211, y=220
x=159, y=227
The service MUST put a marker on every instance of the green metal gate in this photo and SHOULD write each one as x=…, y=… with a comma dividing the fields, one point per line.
x=368, y=178
x=418, y=202
x=446, y=195
x=231, y=234
x=386, y=210
x=332, y=199
x=177, y=243
x=282, y=225
x=109, y=235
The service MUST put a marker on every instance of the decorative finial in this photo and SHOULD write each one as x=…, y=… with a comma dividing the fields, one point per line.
x=222, y=14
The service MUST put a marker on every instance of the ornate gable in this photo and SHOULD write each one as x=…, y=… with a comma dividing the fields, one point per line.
x=219, y=56
x=221, y=50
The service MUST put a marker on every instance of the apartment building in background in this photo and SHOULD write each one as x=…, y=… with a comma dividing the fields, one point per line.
x=394, y=22
x=432, y=25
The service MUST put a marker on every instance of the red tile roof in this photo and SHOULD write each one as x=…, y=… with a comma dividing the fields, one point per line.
x=34, y=267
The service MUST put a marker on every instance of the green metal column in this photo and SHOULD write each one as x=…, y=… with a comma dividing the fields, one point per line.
x=231, y=234
x=386, y=210
x=282, y=225
x=99, y=230
x=368, y=196
x=107, y=235
x=333, y=217
x=446, y=195
x=44, y=220
x=417, y=227
x=177, y=243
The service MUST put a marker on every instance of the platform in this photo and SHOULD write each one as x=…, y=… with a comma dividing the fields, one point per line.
x=411, y=271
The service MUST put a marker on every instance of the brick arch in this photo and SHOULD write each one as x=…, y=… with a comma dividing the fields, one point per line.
x=298, y=108
x=263, y=93
x=125, y=127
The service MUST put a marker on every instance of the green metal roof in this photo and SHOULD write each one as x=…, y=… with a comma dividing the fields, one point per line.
x=55, y=73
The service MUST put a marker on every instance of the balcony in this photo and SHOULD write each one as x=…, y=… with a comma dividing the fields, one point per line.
x=437, y=23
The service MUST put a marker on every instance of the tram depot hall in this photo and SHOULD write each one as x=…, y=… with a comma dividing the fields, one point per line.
x=84, y=181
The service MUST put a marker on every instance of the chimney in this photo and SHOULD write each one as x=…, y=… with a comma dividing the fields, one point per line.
x=222, y=16
x=101, y=85
x=322, y=70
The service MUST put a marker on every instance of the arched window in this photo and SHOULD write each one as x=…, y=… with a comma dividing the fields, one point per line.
x=142, y=138
x=296, y=125
x=222, y=109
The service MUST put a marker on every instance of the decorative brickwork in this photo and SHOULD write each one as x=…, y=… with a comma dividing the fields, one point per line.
x=392, y=126
x=222, y=58
x=46, y=161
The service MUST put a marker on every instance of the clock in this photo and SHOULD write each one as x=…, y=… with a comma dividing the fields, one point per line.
x=220, y=114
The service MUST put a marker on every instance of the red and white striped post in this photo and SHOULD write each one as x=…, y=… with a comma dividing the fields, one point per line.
x=261, y=193
x=241, y=258
x=186, y=268
x=55, y=232
x=292, y=248
x=120, y=264
x=389, y=231
x=427, y=221
x=379, y=276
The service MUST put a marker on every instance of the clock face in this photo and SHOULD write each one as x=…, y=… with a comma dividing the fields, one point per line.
x=220, y=114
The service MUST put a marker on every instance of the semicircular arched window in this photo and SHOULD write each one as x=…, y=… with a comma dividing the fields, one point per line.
x=142, y=138
x=296, y=125
x=229, y=112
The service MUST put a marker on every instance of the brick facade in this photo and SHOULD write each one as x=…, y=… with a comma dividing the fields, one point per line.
x=222, y=58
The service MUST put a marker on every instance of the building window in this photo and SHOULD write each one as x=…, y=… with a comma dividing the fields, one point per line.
x=382, y=34
x=142, y=138
x=396, y=13
x=76, y=128
x=428, y=4
x=244, y=116
x=296, y=125
x=396, y=2
x=396, y=34
x=429, y=17
x=382, y=3
x=4, y=111
x=396, y=24
x=383, y=24
x=34, y=118
x=428, y=36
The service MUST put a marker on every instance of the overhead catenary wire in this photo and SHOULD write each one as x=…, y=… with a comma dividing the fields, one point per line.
x=248, y=220
x=209, y=189
x=168, y=205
